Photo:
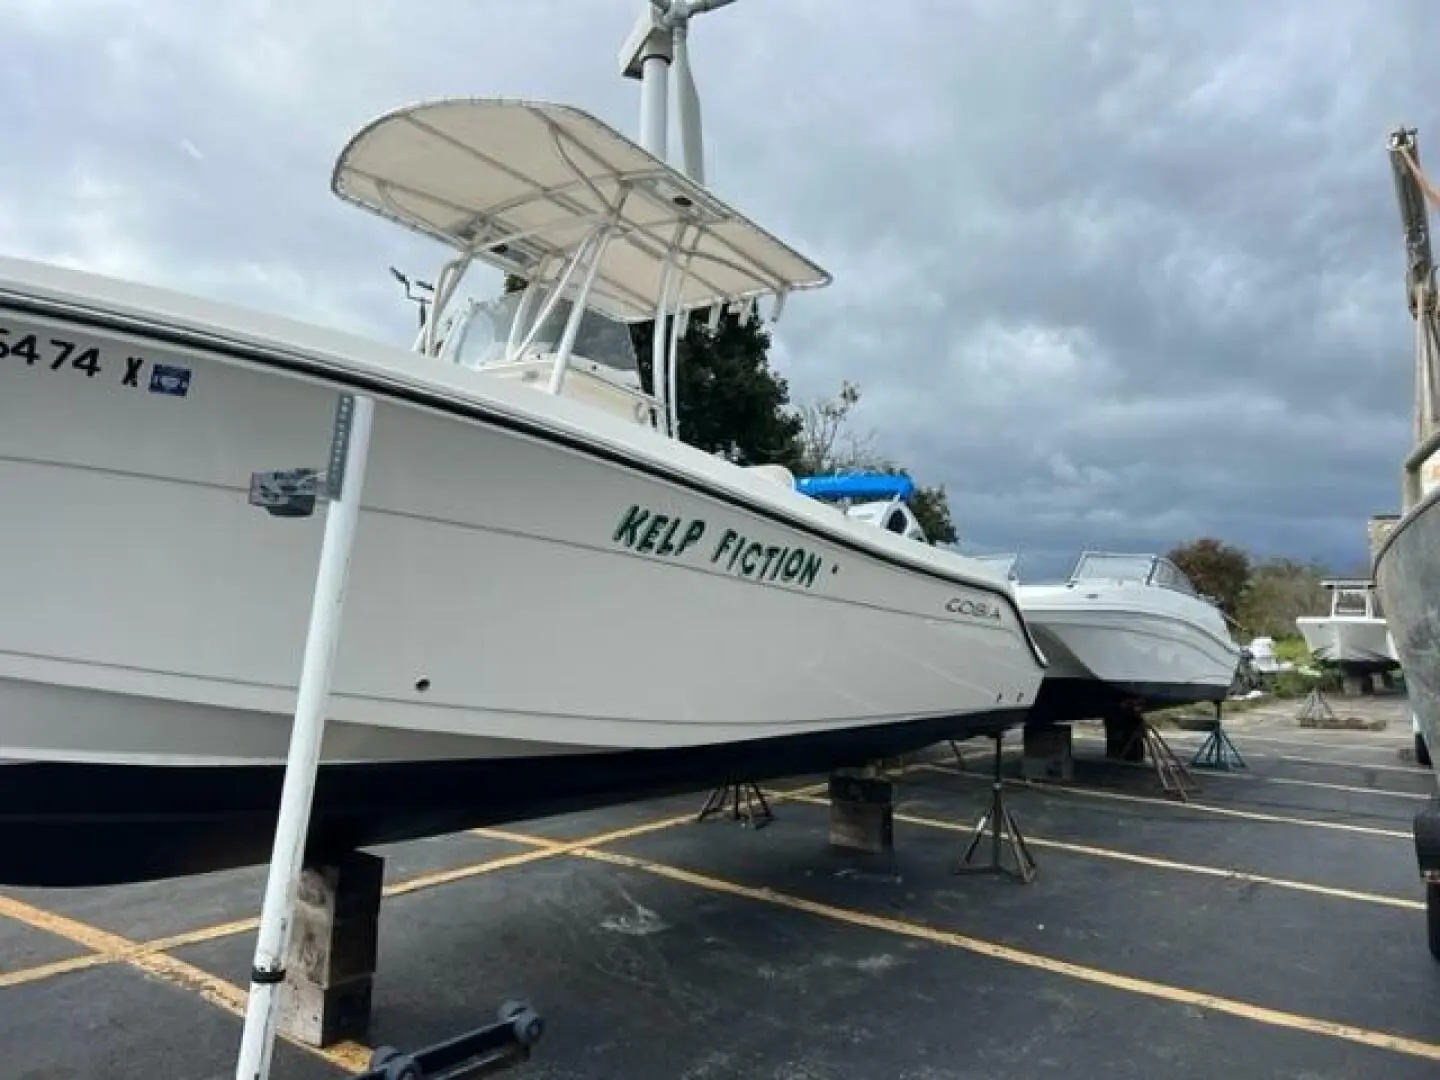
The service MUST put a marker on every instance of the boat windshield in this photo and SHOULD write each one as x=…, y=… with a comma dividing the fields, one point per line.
x=1093, y=566
x=1003, y=563
x=1350, y=602
x=1169, y=576
x=482, y=333
x=1146, y=569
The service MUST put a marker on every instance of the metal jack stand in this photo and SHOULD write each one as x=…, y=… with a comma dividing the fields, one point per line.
x=960, y=762
x=755, y=812
x=1175, y=778
x=1316, y=711
x=1003, y=831
x=484, y=1052
x=1217, y=751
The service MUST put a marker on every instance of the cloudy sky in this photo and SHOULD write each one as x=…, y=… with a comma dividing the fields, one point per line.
x=1117, y=274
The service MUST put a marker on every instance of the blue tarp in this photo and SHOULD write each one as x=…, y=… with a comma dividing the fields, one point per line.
x=856, y=486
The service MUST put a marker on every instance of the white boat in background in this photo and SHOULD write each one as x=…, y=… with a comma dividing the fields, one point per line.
x=1263, y=658
x=1354, y=636
x=553, y=603
x=1123, y=631
x=1126, y=630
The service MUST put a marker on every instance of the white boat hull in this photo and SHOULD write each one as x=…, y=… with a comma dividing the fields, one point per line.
x=513, y=592
x=1114, y=644
x=1349, y=641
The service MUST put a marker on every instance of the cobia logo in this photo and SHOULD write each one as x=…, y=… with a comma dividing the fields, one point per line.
x=976, y=609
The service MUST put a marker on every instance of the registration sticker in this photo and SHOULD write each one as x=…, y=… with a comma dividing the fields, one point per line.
x=169, y=379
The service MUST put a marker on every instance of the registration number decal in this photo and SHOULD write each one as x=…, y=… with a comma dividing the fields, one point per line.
x=121, y=368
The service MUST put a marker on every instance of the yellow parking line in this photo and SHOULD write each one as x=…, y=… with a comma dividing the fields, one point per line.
x=1168, y=864
x=1293, y=781
x=217, y=991
x=1242, y=737
x=1413, y=770
x=56, y=967
x=1370, y=746
x=151, y=958
x=1354, y=789
x=138, y=950
x=1150, y=800
x=1009, y=954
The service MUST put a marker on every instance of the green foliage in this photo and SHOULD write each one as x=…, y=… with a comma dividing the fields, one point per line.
x=1279, y=591
x=1293, y=649
x=1293, y=684
x=731, y=402
x=1217, y=570
x=932, y=510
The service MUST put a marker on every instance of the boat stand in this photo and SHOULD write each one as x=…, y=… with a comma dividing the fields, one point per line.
x=483, y=1052
x=1315, y=711
x=748, y=804
x=1217, y=751
x=960, y=762
x=1004, y=832
x=1174, y=777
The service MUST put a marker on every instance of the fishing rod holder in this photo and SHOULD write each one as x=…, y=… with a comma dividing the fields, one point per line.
x=292, y=493
x=483, y=1052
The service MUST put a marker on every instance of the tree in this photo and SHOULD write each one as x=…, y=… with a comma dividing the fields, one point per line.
x=1279, y=591
x=731, y=402
x=932, y=510
x=829, y=444
x=1216, y=569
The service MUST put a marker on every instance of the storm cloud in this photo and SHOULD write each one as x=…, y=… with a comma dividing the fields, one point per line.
x=1116, y=274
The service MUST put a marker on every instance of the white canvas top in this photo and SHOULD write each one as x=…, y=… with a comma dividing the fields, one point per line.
x=520, y=185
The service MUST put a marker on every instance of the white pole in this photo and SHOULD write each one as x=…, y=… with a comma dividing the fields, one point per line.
x=577, y=312
x=276, y=915
x=654, y=116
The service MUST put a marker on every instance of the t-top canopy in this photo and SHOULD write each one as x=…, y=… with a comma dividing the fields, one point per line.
x=522, y=185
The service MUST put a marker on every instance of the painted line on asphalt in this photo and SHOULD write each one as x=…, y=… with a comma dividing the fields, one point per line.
x=1249, y=775
x=1007, y=953
x=1240, y=739
x=1354, y=789
x=1206, y=808
x=55, y=967
x=211, y=988
x=156, y=946
x=1413, y=770
x=1240, y=734
x=1154, y=862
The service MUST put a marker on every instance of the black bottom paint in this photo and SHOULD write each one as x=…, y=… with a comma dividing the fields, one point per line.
x=1062, y=701
x=76, y=824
